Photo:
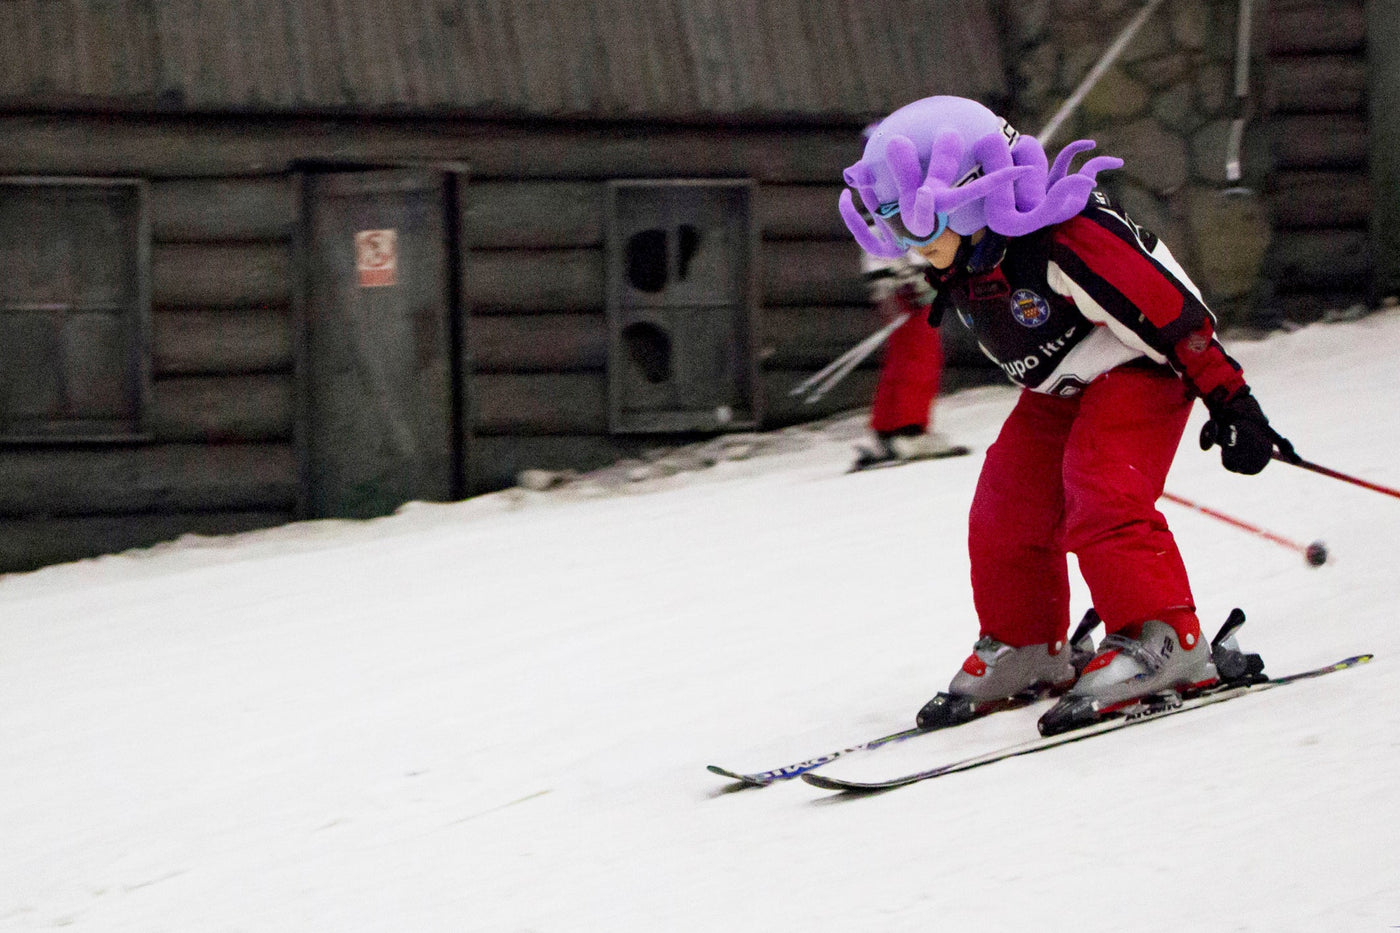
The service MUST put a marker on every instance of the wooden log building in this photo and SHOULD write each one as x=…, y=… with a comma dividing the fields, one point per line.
x=278, y=259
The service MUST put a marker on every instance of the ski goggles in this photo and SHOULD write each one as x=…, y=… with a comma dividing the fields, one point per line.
x=889, y=213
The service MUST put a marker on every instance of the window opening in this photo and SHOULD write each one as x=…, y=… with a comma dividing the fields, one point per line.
x=74, y=314
x=648, y=254
x=649, y=348
x=680, y=304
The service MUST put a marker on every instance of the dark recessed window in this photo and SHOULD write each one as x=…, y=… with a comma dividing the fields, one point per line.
x=648, y=257
x=680, y=306
x=650, y=349
x=73, y=309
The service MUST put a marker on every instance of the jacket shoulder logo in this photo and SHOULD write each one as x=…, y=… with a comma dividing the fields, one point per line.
x=1029, y=309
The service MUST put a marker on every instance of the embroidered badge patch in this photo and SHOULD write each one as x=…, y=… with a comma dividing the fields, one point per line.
x=1029, y=308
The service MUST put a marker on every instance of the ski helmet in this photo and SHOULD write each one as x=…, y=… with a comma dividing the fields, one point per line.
x=951, y=163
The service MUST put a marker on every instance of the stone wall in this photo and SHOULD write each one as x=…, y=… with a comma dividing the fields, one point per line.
x=1165, y=107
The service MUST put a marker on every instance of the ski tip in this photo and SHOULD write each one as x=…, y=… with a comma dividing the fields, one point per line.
x=1354, y=661
x=745, y=779
x=846, y=787
x=825, y=783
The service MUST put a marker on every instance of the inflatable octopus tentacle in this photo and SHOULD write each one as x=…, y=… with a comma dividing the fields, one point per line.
x=1061, y=167
x=875, y=243
x=1002, y=173
x=953, y=198
x=1098, y=164
x=1030, y=188
x=867, y=197
x=862, y=178
x=944, y=156
x=1064, y=194
x=903, y=160
x=902, y=157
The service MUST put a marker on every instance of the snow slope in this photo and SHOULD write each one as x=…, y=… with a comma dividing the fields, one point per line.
x=495, y=715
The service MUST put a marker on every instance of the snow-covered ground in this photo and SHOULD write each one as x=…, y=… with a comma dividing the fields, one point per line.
x=496, y=715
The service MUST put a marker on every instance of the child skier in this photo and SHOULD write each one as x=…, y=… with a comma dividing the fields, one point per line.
x=902, y=409
x=1110, y=341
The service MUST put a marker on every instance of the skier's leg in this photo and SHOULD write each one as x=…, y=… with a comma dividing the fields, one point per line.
x=1115, y=467
x=1020, y=582
x=909, y=377
x=1020, y=585
x=1130, y=423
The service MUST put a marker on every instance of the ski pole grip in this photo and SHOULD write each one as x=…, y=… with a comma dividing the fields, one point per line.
x=1286, y=453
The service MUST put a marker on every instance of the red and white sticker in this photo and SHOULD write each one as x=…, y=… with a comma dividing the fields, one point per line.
x=377, y=257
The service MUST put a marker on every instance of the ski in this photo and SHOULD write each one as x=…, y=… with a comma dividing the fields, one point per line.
x=1150, y=708
x=947, y=711
x=868, y=461
x=788, y=772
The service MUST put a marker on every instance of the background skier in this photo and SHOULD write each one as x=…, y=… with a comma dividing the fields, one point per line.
x=902, y=410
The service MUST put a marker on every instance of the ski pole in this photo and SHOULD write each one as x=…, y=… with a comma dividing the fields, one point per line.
x=824, y=381
x=1286, y=454
x=1325, y=471
x=1315, y=553
x=1100, y=67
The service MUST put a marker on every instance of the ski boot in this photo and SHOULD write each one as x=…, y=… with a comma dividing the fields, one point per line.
x=997, y=676
x=905, y=446
x=1157, y=663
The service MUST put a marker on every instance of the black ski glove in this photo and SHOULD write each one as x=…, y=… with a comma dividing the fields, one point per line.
x=1246, y=441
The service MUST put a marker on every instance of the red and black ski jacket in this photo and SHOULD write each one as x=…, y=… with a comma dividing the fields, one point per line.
x=1064, y=305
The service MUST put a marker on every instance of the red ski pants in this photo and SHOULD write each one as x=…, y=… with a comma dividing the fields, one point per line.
x=1080, y=475
x=910, y=372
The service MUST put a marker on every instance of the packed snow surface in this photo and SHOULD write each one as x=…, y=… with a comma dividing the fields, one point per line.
x=496, y=715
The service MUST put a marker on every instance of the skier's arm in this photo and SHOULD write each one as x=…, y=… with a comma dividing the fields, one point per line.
x=1137, y=289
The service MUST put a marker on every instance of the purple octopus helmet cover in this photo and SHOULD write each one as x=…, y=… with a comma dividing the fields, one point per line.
x=950, y=163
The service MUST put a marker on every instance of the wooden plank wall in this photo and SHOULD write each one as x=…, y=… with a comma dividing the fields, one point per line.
x=221, y=456
x=224, y=451
x=1383, y=103
x=1320, y=194
x=537, y=330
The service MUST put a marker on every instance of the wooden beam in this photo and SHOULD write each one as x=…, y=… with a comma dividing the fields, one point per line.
x=1319, y=141
x=222, y=409
x=1334, y=26
x=1383, y=64
x=534, y=281
x=1317, y=260
x=810, y=338
x=30, y=543
x=163, y=478
x=532, y=214
x=544, y=403
x=526, y=343
x=199, y=341
x=222, y=274
x=1315, y=84
x=183, y=146
x=817, y=273
x=800, y=212
x=225, y=209
x=1320, y=199
x=781, y=408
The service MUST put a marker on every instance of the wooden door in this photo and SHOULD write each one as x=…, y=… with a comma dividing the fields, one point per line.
x=377, y=371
